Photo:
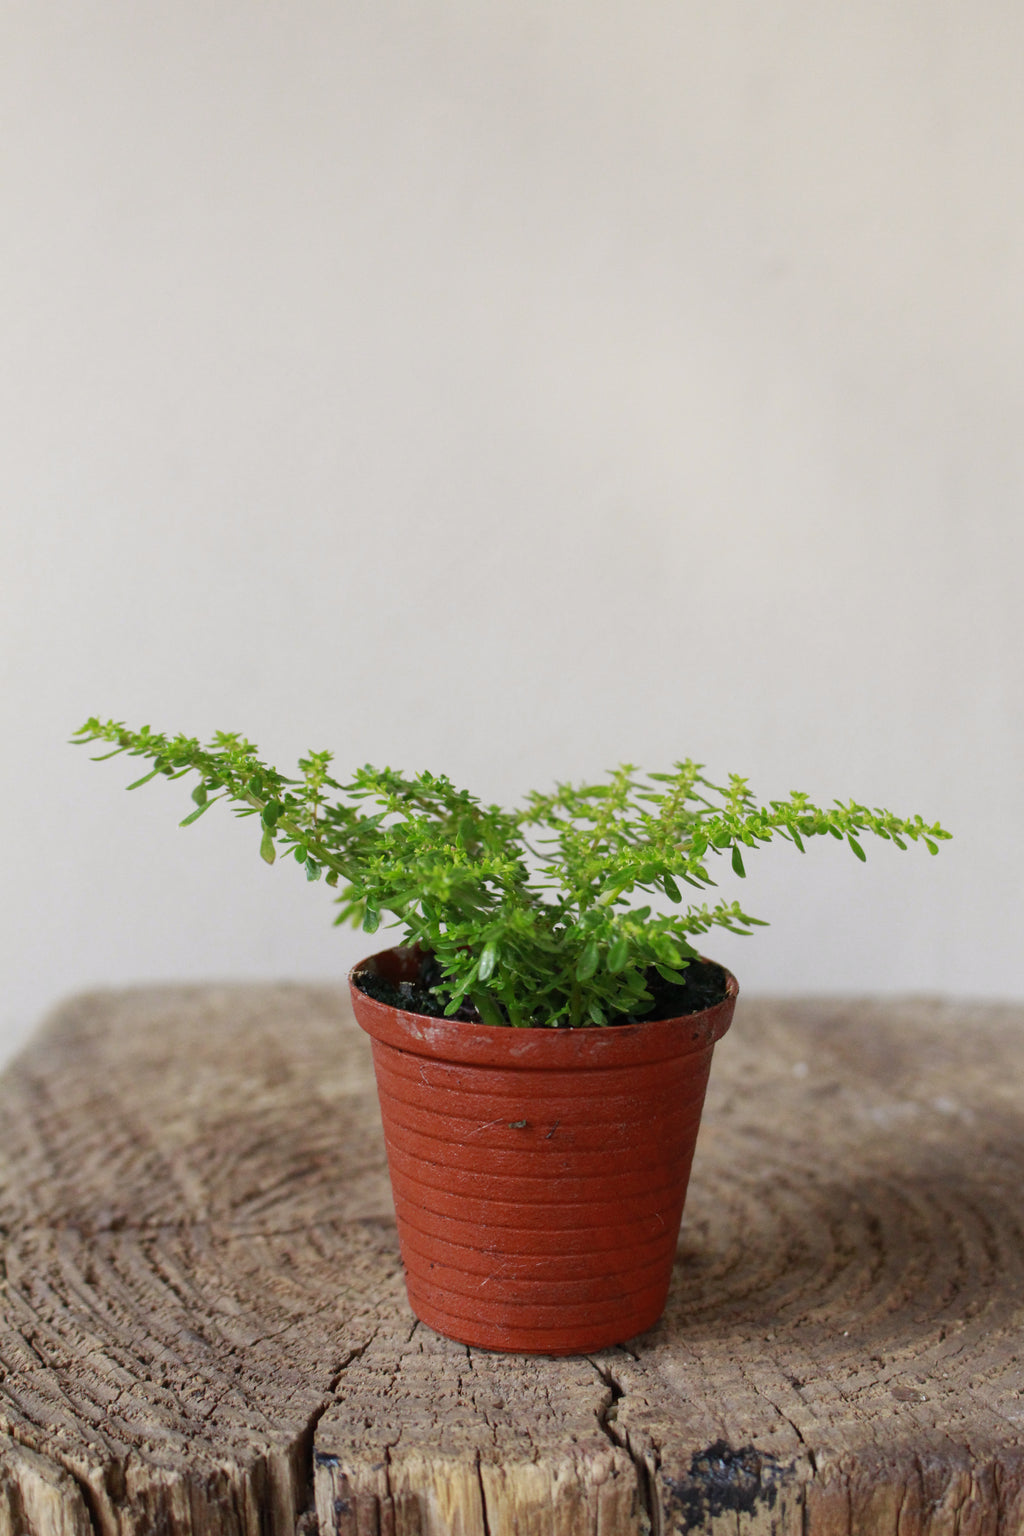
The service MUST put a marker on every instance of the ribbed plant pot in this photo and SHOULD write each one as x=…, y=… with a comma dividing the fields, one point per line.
x=539, y=1175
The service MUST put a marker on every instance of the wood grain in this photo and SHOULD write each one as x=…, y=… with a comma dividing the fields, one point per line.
x=203, y=1325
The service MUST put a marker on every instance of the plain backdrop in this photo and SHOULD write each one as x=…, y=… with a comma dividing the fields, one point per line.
x=511, y=389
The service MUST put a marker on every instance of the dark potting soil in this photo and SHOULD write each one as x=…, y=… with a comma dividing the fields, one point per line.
x=704, y=986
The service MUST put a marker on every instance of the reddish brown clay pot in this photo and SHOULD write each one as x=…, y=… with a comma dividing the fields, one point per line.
x=539, y=1175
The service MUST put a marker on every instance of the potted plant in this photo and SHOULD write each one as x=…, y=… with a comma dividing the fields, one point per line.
x=542, y=1035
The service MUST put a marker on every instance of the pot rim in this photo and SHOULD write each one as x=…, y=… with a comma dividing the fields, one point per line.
x=458, y=1040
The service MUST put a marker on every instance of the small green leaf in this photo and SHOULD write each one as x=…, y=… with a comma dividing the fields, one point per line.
x=488, y=960
x=737, y=861
x=267, y=850
x=667, y=975
x=932, y=847
x=587, y=963
x=596, y=1012
x=145, y=778
x=371, y=919
x=313, y=870
x=798, y=840
x=199, y=794
x=618, y=954
x=195, y=815
x=486, y=1007
x=672, y=890
x=858, y=850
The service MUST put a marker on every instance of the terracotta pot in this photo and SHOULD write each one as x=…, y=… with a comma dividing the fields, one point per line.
x=539, y=1175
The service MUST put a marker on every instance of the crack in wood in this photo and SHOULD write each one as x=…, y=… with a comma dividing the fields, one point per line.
x=306, y=1443
x=483, y=1497
x=645, y=1469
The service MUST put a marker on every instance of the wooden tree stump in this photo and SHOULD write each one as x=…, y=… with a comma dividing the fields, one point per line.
x=204, y=1328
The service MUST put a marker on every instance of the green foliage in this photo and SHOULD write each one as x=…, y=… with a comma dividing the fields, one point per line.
x=531, y=914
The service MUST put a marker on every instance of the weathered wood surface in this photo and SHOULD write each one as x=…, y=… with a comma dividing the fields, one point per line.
x=204, y=1328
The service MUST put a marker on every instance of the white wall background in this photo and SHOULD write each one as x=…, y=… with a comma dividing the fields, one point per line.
x=511, y=388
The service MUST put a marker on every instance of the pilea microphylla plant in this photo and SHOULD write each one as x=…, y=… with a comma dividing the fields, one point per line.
x=530, y=915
